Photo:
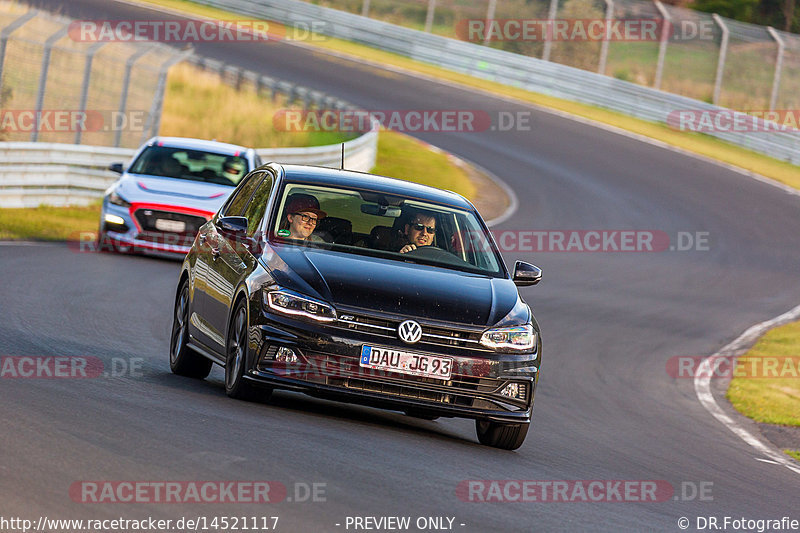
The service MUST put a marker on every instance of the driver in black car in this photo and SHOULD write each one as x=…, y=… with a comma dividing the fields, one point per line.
x=420, y=231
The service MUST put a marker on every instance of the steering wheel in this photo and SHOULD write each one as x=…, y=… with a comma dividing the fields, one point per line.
x=428, y=252
x=437, y=255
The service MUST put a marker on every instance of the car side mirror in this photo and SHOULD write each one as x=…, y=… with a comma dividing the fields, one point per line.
x=526, y=274
x=235, y=229
x=115, y=167
x=232, y=226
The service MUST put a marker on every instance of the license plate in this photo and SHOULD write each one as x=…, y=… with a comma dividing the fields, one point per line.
x=174, y=226
x=415, y=364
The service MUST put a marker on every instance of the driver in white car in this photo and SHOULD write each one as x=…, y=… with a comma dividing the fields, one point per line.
x=420, y=231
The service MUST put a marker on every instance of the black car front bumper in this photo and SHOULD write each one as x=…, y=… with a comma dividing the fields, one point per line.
x=327, y=366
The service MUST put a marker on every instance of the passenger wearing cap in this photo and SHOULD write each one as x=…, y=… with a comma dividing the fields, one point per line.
x=303, y=214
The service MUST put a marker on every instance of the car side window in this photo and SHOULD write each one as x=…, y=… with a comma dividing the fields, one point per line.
x=258, y=204
x=236, y=205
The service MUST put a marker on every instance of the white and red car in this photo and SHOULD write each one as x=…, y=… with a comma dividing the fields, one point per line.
x=172, y=187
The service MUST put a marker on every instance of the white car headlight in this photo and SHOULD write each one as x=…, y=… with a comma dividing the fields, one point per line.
x=516, y=338
x=292, y=303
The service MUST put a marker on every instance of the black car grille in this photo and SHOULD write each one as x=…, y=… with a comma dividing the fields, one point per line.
x=451, y=396
x=430, y=334
x=464, y=391
x=399, y=390
x=147, y=220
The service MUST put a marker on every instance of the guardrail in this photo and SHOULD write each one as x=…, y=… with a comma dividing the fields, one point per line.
x=511, y=69
x=33, y=174
x=36, y=173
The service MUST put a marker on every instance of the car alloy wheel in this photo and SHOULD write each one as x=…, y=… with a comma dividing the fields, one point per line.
x=236, y=386
x=183, y=360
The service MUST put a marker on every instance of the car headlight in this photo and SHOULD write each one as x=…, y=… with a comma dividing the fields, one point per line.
x=516, y=338
x=116, y=199
x=292, y=303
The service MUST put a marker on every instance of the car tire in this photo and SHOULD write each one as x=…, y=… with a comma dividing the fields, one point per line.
x=236, y=346
x=500, y=435
x=183, y=360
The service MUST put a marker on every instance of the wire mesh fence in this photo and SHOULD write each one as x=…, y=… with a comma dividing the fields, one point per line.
x=56, y=88
x=699, y=55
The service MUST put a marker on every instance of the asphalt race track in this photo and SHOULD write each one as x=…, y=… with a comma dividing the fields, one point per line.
x=606, y=409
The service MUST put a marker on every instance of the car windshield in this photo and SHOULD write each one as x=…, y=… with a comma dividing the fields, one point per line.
x=193, y=165
x=376, y=224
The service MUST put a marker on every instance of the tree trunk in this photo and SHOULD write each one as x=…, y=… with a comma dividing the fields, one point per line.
x=788, y=13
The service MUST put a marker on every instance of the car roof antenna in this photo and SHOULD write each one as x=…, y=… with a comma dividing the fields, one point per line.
x=342, y=156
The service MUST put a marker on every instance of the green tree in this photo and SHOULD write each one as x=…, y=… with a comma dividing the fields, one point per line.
x=743, y=10
x=781, y=14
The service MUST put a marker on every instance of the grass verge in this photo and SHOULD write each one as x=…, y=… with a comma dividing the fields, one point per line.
x=398, y=156
x=795, y=454
x=47, y=223
x=198, y=103
x=401, y=156
x=772, y=400
x=692, y=142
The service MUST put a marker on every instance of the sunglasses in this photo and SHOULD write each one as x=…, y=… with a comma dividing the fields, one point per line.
x=305, y=218
x=420, y=227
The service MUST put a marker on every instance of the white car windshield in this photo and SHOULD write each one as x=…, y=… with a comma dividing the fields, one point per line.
x=194, y=165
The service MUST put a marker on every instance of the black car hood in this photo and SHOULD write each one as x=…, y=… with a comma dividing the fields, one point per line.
x=394, y=287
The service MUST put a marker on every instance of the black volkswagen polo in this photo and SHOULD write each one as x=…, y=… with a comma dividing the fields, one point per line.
x=360, y=288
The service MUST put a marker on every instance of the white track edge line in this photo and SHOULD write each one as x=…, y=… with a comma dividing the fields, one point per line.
x=702, y=386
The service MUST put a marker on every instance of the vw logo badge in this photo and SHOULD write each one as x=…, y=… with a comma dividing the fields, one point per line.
x=409, y=331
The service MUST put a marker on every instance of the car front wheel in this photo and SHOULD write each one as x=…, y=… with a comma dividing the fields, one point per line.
x=236, y=386
x=183, y=360
x=500, y=435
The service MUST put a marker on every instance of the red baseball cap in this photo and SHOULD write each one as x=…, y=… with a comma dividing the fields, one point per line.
x=303, y=203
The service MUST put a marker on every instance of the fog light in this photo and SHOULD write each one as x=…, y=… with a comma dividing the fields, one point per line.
x=286, y=355
x=114, y=219
x=514, y=390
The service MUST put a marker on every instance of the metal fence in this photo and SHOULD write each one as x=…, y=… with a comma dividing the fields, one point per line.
x=549, y=77
x=55, y=88
x=36, y=173
x=703, y=56
x=33, y=174
x=47, y=160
